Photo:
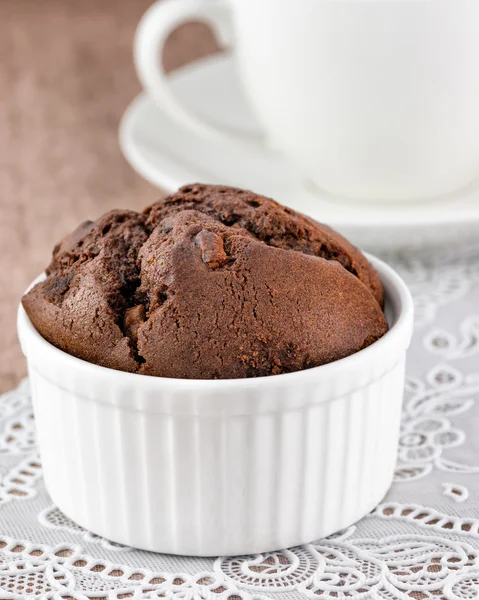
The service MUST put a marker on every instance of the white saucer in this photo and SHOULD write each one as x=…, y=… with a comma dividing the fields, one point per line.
x=169, y=156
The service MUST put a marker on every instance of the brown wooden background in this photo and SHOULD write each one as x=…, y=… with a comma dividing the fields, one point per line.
x=66, y=76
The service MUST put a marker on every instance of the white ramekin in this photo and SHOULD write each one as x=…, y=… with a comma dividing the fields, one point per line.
x=221, y=467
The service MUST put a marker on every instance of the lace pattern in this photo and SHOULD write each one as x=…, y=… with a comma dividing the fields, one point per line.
x=422, y=542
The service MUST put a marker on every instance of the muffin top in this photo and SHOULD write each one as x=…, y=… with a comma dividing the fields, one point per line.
x=212, y=282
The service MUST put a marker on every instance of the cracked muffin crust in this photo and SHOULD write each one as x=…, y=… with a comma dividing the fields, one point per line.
x=210, y=283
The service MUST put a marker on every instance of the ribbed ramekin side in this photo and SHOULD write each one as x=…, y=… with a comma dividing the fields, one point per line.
x=289, y=477
x=352, y=443
x=65, y=457
x=50, y=435
x=269, y=450
x=217, y=484
x=390, y=411
x=146, y=495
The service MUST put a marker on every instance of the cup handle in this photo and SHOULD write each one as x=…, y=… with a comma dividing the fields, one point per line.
x=153, y=30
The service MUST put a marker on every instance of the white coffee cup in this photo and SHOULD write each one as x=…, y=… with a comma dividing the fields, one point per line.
x=373, y=99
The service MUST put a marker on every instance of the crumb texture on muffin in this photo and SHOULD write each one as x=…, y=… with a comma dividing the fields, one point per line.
x=212, y=282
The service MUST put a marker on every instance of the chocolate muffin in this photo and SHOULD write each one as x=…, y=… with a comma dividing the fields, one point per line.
x=210, y=283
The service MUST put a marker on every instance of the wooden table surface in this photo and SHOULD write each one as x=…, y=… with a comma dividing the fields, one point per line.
x=66, y=76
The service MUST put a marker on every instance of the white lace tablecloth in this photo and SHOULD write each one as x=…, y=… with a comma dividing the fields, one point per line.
x=422, y=542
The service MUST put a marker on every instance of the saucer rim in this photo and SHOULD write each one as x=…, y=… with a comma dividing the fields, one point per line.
x=374, y=216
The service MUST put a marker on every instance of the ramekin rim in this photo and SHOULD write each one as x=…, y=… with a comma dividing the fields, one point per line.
x=401, y=330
